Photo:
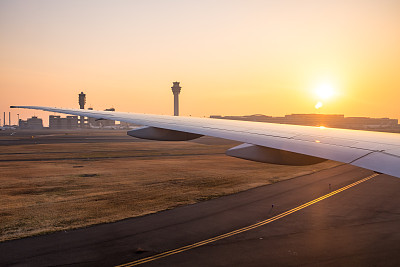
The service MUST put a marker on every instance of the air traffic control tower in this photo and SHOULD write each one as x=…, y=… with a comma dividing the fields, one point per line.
x=176, y=89
x=82, y=102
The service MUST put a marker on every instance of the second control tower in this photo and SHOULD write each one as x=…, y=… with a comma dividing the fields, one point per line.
x=176, y=89
x=82, y=102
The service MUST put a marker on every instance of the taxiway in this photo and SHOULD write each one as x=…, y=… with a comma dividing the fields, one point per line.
x=357, y=226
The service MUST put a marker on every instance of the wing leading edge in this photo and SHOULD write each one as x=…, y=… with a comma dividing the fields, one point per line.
x=371, y=150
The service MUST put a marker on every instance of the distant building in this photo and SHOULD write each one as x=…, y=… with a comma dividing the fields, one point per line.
x=127, y=125
x=69, y=122
x=370, y=123
x=96, y=123
x=92, y=122
x=327, y=120
x=33, y=123
x=108, y=123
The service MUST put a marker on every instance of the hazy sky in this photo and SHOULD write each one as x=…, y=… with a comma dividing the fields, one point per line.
x=231, y=57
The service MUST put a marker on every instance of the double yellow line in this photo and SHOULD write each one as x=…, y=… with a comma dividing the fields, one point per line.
x=244, y=229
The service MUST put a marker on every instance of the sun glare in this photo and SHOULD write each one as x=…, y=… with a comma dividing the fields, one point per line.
x=325, y=91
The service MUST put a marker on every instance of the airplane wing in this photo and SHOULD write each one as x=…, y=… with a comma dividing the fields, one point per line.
x=266, y=142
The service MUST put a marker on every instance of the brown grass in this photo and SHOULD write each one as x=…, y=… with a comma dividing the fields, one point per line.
x=105, y=182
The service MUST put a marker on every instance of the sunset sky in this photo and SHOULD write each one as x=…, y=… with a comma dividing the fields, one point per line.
x=231, y=57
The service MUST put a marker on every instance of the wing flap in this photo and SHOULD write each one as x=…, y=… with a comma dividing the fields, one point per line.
x=380, y=162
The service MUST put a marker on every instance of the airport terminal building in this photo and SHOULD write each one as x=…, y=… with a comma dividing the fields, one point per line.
x=69, y=122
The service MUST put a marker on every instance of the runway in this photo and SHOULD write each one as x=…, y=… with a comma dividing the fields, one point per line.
x=355, y=223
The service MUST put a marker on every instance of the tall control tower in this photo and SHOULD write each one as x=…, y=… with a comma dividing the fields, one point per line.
x=176, y=89
x=82, y=102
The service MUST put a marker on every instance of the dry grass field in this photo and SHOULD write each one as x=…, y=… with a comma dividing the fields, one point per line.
x=59, y=186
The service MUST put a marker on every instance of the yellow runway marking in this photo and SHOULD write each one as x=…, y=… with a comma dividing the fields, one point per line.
x=244, y=229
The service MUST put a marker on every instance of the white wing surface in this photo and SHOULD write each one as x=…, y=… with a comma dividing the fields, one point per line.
x=371, y=150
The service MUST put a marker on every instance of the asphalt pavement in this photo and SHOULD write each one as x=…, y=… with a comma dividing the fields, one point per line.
x=356, y=225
